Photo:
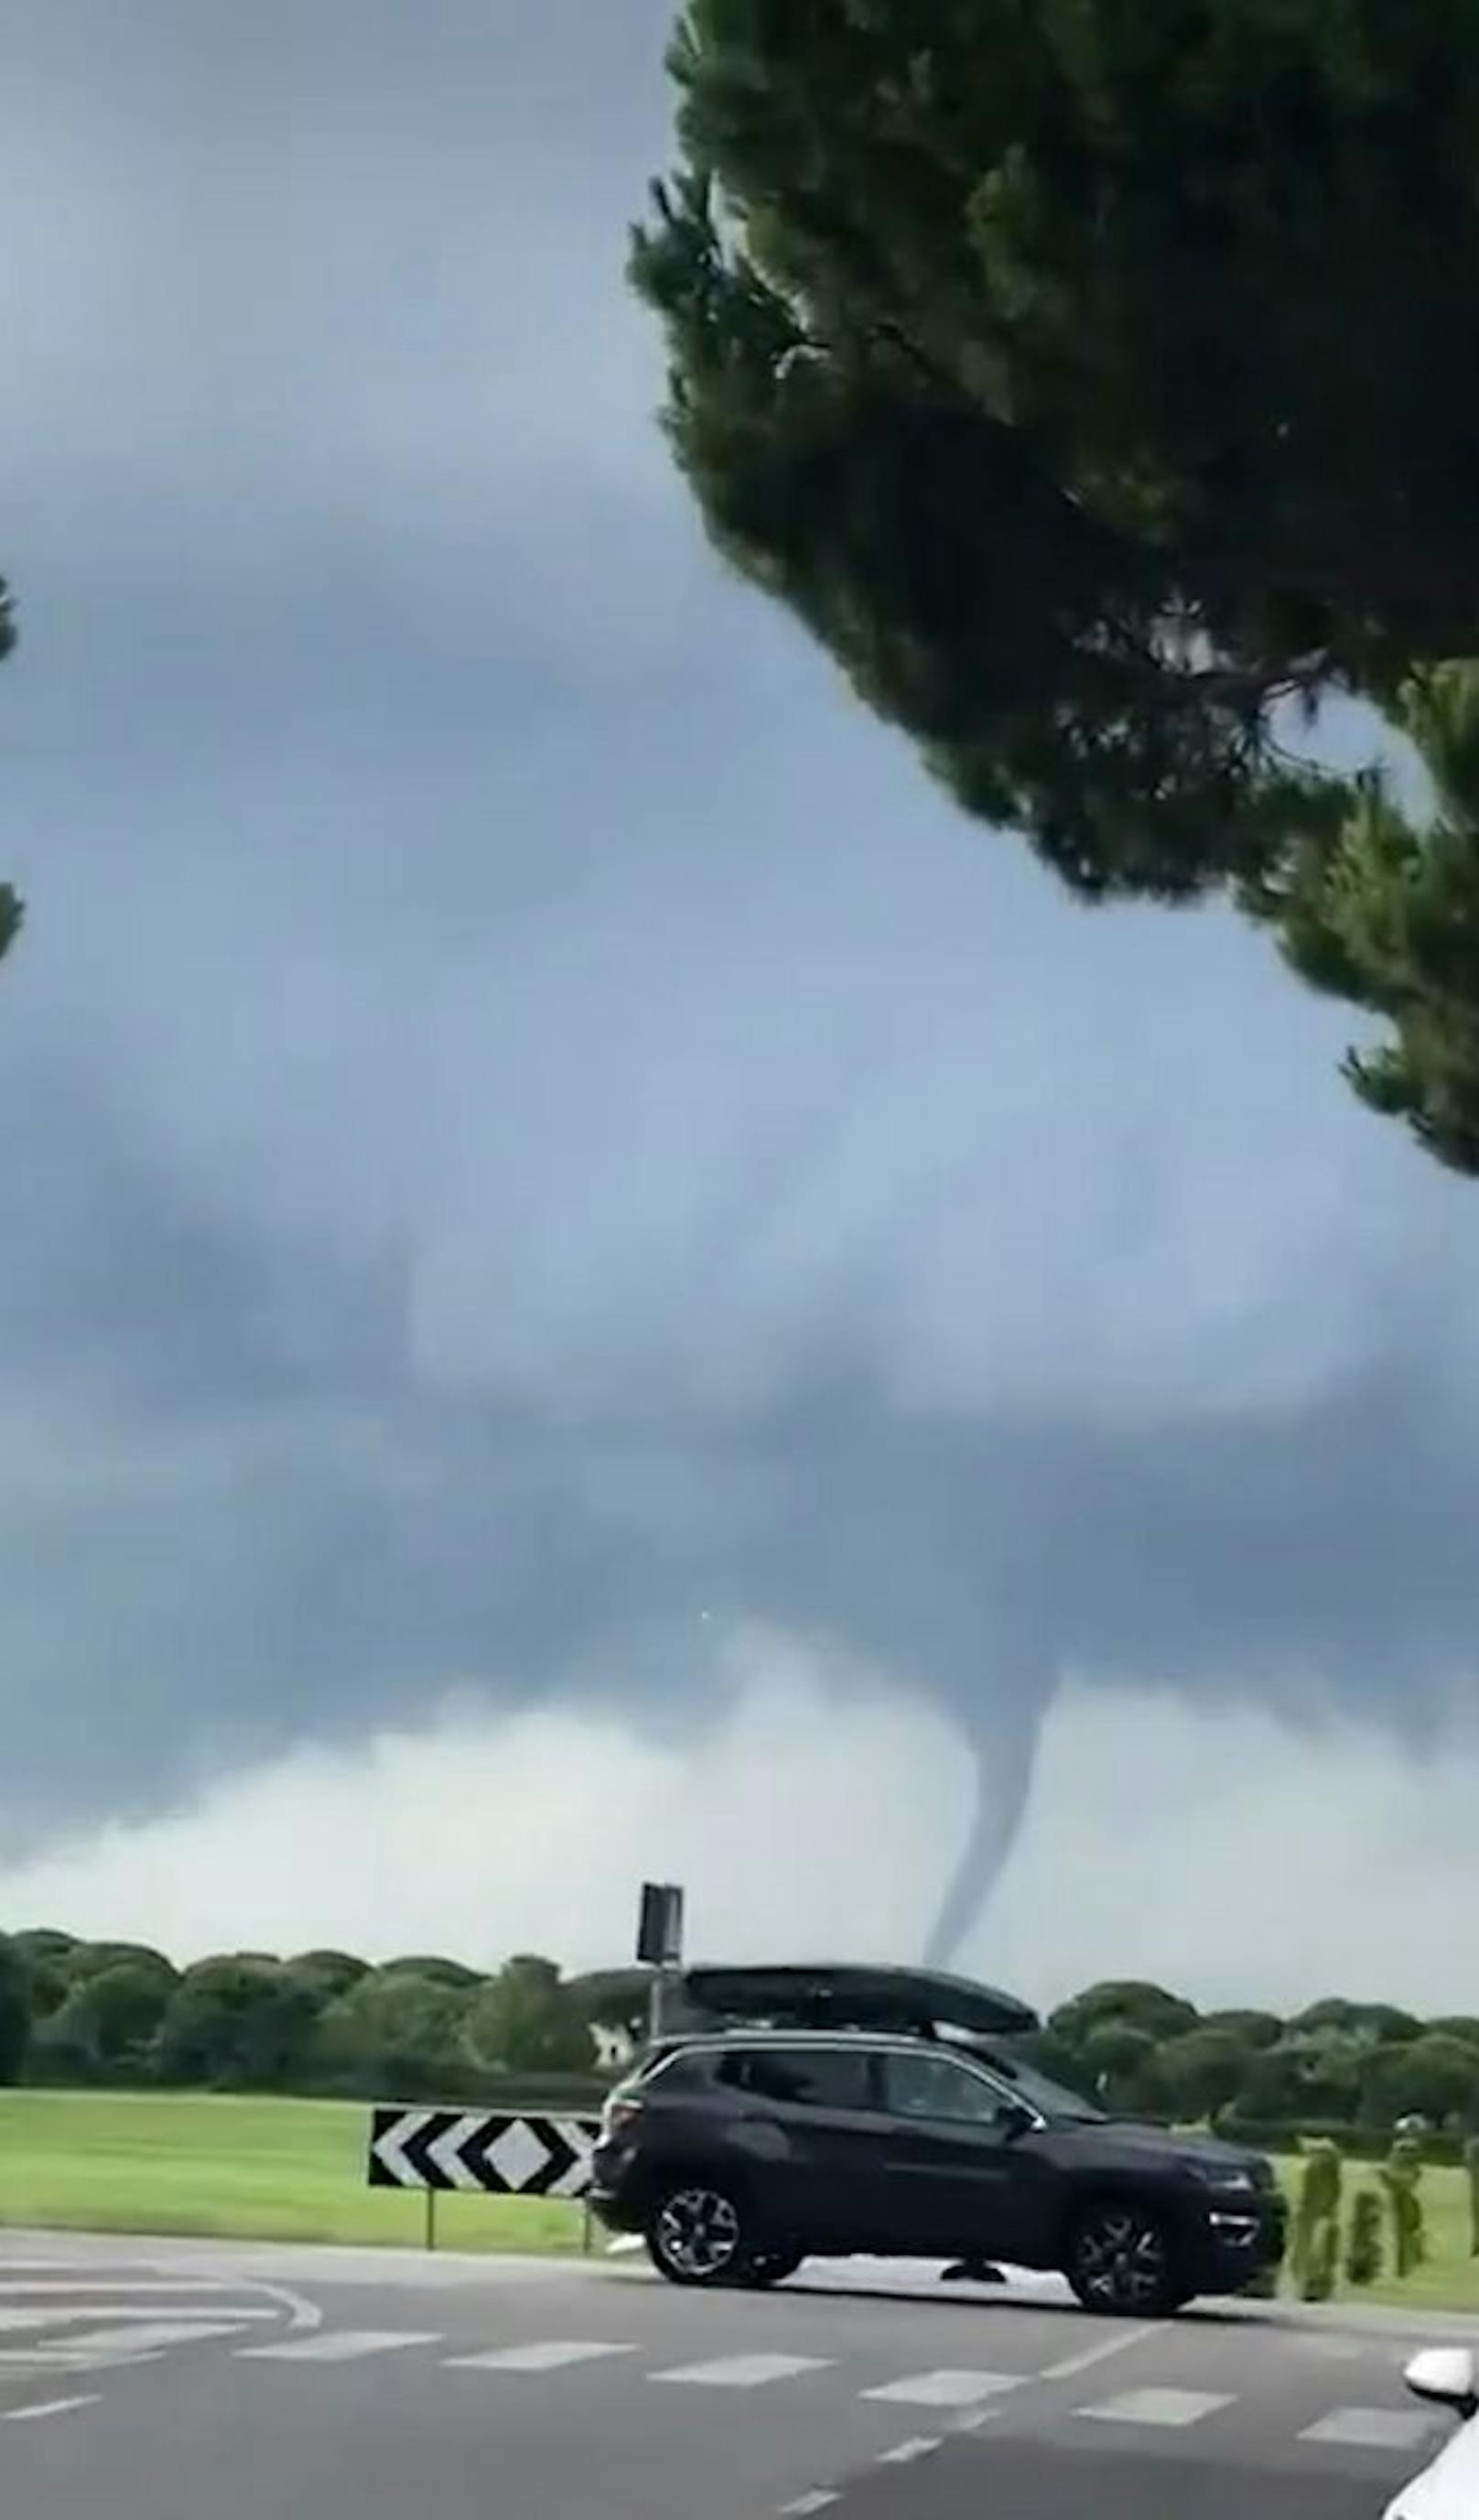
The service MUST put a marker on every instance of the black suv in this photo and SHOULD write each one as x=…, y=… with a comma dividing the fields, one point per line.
x=738, y=2152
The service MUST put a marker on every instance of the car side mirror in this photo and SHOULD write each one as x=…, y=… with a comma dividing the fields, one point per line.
x=1016, y=2121
x=1445, y=2376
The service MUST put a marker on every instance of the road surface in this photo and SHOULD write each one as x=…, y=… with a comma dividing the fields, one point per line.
x=171, y=2381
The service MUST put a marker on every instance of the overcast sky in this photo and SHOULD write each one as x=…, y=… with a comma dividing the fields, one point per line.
x=554, y=1182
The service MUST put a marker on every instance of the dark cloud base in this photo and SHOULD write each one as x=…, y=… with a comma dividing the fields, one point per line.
x=288, y=1537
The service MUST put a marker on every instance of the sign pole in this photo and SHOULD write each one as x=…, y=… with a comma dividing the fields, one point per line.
x=431, y=2217
x=659, y=1944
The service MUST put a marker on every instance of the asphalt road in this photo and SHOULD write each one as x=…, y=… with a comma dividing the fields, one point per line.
x=151, y=2381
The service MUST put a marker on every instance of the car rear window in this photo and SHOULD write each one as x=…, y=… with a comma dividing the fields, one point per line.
x=806, y=2077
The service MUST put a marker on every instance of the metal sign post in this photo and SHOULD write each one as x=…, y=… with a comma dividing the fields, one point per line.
x=659, y=1943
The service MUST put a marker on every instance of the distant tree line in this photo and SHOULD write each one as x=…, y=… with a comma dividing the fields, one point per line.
x=1338, y=2066
x=121, y=2014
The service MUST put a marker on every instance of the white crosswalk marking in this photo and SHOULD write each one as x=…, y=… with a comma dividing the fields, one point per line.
x=806, y=2505
x=556, y=2356
x=905, y=2452
x=1175, y=2407
x=341, y=2345
x=740, y=2371
x=944, y=2389
x=1087, y=2356
x=1370, y=2428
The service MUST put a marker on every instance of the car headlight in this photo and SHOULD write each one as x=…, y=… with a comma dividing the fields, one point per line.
x=1232, y=2183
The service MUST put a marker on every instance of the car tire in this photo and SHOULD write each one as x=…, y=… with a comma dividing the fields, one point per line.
x=1121, y=2262
x=766, y=2267
x=695, y=2233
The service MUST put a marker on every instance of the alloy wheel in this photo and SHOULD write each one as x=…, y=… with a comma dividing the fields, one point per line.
x=1122, y=2262
x=696, y=2235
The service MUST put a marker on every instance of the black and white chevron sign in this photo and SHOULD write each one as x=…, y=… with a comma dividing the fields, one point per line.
x=478, y=2151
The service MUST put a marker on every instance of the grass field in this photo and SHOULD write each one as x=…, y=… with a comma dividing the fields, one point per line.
x=239, y=2169
x=295, y=2170
x=1450, y=2279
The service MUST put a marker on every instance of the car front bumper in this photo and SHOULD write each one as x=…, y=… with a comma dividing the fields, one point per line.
x=1241, y=2241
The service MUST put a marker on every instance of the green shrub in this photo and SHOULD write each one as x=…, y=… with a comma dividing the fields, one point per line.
x=1317, y=2222
x=1402, y=2177
x=1471, y=2164
x=1363, y=2245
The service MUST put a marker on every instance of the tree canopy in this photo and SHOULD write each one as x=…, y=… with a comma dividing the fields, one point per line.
x=1097, y=383
x=430, y=2028
x=15, y=2009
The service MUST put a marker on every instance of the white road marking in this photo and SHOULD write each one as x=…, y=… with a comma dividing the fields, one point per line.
x=302, y=2315
x=904, y=2452
x=20, y=2323
x=1175, y=2407
x=1370, y=2428
x=126, y=2343
x=807, y=2503
x=556, y=2356
x=341, y=2345
x=53, y=2406
x=1073, y=2363
x=740, y=2371
x=38, y=2267
x=35, y=2287
x=977, y=2422
x=944, y=2389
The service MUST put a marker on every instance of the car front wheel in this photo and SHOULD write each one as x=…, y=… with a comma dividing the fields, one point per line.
x=1121, y=2262
x=696, y=2235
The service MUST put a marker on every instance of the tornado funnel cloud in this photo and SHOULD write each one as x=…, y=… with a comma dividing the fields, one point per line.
x=1005, y=1760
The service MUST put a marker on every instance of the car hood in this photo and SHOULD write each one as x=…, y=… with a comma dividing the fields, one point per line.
x=1168, y=2144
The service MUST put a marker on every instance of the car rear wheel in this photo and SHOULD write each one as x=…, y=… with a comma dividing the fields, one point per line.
x=696, y=2235
x=766, y=2267
x=1122, y=2263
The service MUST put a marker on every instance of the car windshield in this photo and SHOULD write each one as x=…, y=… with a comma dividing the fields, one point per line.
x=1050, y=2099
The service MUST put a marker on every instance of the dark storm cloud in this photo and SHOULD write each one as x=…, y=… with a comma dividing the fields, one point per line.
x=526, y=1122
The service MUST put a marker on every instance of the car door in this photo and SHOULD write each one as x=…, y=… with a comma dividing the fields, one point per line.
x=813, y=2130
x=960, y=2176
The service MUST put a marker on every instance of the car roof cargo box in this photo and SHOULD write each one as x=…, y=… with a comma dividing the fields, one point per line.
x=844, y=1997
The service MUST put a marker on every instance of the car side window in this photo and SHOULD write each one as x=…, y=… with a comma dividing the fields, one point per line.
x=807, y=2077
x=936, y=2087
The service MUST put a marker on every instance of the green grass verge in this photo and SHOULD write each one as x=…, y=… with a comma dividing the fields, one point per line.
x=1450, y=2277
x=295, y=2170
x=233, y=2169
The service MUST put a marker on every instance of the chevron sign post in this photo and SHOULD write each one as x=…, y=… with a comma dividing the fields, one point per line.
x=480, y=2152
